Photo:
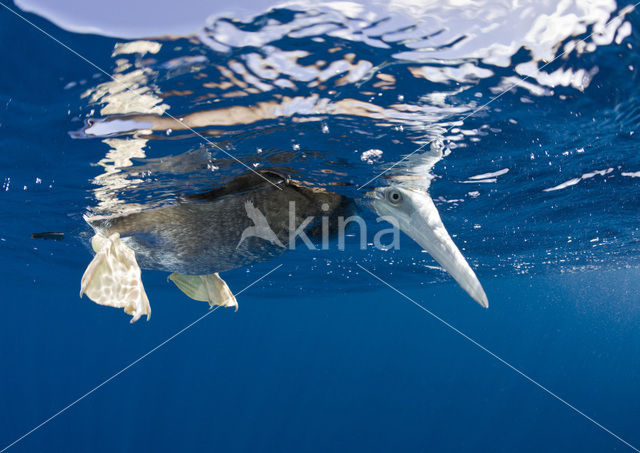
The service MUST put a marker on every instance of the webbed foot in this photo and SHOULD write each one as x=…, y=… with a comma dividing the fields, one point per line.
x=206, y=288
x=113, y=278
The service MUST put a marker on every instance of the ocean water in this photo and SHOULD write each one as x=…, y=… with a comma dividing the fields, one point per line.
x=520, y=119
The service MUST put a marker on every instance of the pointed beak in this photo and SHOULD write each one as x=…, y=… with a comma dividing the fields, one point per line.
x=423, y=224
x=427, y=229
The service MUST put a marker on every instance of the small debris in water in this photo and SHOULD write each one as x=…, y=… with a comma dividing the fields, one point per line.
x=371, y=155
x=48, y=235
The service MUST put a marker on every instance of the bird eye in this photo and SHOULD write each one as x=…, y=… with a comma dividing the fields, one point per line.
x=394, y=196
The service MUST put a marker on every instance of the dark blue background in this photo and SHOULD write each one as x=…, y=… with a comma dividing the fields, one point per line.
x=361, y=371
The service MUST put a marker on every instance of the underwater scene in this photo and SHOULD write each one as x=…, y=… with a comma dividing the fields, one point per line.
x=320, y=226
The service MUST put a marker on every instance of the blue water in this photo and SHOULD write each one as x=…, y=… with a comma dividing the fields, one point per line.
x=320, y=355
